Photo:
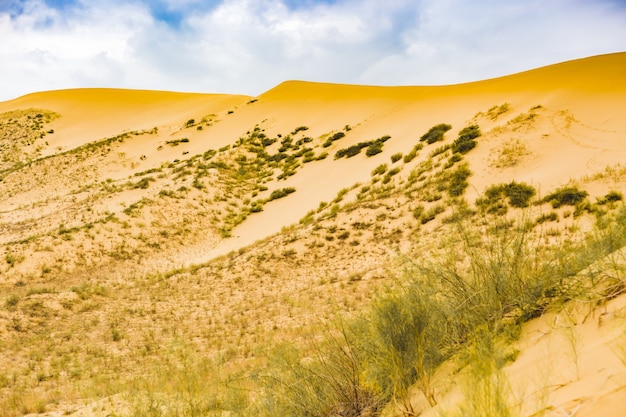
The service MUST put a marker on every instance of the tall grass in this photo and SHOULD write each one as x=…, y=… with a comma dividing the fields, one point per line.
x=480, y=284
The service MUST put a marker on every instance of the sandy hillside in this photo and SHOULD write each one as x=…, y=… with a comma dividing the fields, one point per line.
x=133, y=220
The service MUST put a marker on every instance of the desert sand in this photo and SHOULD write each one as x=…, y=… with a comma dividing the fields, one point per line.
x=560, y=125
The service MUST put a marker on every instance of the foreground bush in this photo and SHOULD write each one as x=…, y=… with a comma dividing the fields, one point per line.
x=436, y=310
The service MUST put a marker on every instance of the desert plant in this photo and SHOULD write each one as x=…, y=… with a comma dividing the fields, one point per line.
x=435, y=133
x=379, y=170
x=458, y=181
x=465, y=142
x=569, y=196
x=280, y=193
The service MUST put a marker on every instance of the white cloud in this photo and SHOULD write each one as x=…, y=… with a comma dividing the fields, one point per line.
x=248, y=46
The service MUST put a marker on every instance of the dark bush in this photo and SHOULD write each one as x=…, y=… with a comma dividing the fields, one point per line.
x=374, y=148
x=465, y=142
x=611, y=197
x=280, y=193
x=333, y=138
x=519, y=194
x=435, y=133
x=568, y=196
x=458, y=181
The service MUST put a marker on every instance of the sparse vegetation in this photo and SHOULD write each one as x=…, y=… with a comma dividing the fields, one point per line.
x=466, y=140
x=373, y=147
x=567, y=196
x=518, y=195
x=435, y=133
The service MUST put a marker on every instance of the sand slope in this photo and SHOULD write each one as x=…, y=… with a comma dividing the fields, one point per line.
x=127, y=183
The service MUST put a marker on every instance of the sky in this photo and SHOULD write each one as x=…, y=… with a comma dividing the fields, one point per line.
x=249, y=46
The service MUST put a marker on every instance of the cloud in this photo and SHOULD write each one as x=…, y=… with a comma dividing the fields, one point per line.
x=248, y=46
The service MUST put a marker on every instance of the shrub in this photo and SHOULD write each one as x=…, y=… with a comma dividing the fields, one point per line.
x=611, y=197
x=548, y=217
x=299, y=129
x=458, y=181
x=568, y=196
x=518, y=194
x=396, y=157
x=333, y=138
x=379, y=170
x=280, y=193
x=465, y=142
x=435, y=133
x=374, y=149
x=410, y=156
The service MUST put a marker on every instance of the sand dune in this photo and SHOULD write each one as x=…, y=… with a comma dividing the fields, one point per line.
x=129, y=183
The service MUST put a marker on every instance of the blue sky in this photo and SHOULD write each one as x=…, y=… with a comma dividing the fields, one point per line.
x=248, y=46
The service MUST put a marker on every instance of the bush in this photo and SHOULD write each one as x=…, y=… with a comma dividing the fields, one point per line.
x=458, y=181
x=568, y=196
x=611, y=197
x=465, y=142
x=518, y=194
x=280, y=193
x=374, y=149
x=379, y=170
x=435, y=133
x=396, y=157
x=333, y=138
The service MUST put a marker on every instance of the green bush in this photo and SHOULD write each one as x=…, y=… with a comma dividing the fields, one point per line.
x=280, y=193
x=379, y=170
x=611, y=197
x=396, y=157
x=374, y=147
x=458, y=181
x=568, y=196
x=518, y=194
x=435, y=134
x=465, y=142
x=333, y=138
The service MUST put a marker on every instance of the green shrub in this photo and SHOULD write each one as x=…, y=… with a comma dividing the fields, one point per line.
x=568, y=196
x=435, y=134
x=465, y=142
x=374, y=149
x=518, y=194
x=333, y=138
x=548, y=217
x=611, y=197
x=396, y=157
x=280, y=193
x=458, y=181
x=379, y=170
x=299, y=129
